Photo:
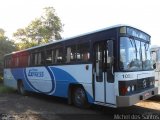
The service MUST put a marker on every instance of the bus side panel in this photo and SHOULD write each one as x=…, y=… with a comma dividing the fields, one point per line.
x=9, y=79
x=18, y=74
x=73, y=74
x=52, y=80
x=12, y=75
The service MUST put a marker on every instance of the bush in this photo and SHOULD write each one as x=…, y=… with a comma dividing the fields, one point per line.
x=1, y=78
x=4, y=89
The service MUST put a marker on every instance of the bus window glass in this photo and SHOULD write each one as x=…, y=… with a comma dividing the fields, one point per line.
x=130, y=54
x=49, y=56
x=17, y=61
x=134, y=55
x=58, y=58
x=38, y=58
x=29, y=60
x=83, y=52
x=68, y=58
x=146, y=57
x=71, y=54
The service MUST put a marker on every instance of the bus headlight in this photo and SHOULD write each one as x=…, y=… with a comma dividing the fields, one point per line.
x=133, y=88
x=128, y=89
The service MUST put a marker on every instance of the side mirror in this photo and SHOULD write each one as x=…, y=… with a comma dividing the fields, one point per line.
x=112, y=60
x=154, y=65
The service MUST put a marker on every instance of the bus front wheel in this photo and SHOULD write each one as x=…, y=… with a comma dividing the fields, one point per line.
x=79, y=98
x=21, y=88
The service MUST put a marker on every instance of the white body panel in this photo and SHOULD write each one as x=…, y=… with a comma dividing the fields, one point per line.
x=104, y=91
x=99, y=91
x=9, y=79
x=39, y=78
x=79, y=72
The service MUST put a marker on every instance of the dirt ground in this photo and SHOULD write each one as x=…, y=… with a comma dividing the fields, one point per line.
x=40, y=107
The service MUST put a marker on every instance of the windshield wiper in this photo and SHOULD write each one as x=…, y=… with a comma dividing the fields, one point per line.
x=133, y=43
x=146, y=46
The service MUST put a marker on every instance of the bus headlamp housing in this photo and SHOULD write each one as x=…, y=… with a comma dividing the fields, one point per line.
x=133, y=87
x=128, y=89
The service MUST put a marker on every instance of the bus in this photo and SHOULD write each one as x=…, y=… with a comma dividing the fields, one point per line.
x=109, y=67
x=155, y=54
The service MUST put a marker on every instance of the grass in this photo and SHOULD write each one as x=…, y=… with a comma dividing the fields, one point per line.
x=4, y=89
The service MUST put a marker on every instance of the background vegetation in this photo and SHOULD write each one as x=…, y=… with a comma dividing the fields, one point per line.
x=39, y=31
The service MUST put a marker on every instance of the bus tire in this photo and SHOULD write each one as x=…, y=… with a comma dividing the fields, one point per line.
x=79, y=98
x=21, y=89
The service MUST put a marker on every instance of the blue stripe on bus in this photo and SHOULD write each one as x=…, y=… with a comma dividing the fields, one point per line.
x=18, y=74
x=63, y=79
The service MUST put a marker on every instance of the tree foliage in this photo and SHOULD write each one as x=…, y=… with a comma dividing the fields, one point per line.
x=40, y=30
x=6, y=46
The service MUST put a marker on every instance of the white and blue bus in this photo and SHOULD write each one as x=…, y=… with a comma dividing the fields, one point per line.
x=109, y=67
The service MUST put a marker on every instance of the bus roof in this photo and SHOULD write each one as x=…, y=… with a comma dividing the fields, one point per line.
x=80, y=35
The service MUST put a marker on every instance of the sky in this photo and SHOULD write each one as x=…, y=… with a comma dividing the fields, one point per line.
x=82, y=16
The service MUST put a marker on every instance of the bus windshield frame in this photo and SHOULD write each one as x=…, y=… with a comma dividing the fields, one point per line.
x=134, y=50
x=134, y=54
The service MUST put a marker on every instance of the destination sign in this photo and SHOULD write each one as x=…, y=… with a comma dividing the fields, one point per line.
x=138, y=34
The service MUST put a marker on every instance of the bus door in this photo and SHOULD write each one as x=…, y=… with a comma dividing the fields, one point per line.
x=103, y=72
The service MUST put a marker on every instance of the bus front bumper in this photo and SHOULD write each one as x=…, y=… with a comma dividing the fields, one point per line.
x=124, y=101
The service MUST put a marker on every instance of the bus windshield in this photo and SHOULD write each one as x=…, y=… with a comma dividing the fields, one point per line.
x=134, y=55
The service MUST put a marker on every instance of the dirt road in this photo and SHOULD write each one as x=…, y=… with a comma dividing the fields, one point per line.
x=40, y=107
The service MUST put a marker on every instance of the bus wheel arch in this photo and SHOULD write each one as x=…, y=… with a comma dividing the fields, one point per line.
x=20, y=87
x=77, y=96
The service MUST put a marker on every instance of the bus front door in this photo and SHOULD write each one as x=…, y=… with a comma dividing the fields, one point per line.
x=99, y=74
x=103, y=76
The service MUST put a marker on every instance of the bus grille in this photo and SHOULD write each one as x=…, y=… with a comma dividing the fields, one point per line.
x=144, y=83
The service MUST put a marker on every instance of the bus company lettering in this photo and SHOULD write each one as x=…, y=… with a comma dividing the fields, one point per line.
x=35, y=73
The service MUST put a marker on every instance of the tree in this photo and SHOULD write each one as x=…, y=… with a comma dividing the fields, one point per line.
x=6, y=46
x=40, y=30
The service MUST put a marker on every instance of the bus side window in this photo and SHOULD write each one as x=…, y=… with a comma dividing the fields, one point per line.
x=38, y=58
x=48, y=59
x=7, y=62
x=110, y=60
x=29, y=60
x=68, y=58
x=34, y=59
x=83, y=54
x=17, y=61
x=71, y=54
x=59, y=57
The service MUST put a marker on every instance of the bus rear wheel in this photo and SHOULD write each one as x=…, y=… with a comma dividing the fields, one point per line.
x=21, y=89
x=79, y=98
